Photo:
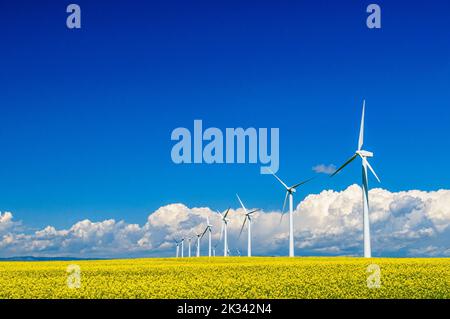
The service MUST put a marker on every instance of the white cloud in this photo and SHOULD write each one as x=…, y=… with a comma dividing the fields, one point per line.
x=324, y=169
x=408, y=223
x=5, y=221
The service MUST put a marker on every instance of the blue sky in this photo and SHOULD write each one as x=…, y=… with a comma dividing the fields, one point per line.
x=86, y=115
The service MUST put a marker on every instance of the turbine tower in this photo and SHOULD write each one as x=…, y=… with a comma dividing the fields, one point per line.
x=189, y=246
x=178, y=248
x=249, y=227
x=208, y=229
x=198, y=244
x=365, y=185
x=223, y=232
x=214, y=249
x=290, y=193
x=182, y=247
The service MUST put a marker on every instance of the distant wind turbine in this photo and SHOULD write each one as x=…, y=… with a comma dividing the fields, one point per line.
x=214, y=248
x=197, y=245
x=365, y=186
x=224, y=233
x=178, y=248
x=249, y=227
x=182, y=247
x=289, y=193
x=208, y=229
x=189, y=245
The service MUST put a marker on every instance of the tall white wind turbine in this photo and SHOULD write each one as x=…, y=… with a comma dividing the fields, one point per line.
x=290, y=193
x=249, y=227
x=365, y=186
x=223, y=232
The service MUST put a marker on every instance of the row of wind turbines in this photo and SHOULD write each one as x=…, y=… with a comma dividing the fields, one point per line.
x=223, y=235
x=290, y=191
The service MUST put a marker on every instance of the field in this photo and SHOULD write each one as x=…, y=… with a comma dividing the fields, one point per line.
x=234, y=277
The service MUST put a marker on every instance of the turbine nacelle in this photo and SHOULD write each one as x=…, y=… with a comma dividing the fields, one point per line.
x=363, y=153
x=224, y=216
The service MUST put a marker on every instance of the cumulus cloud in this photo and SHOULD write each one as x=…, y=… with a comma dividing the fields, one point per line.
x=324, y=169
x=5, y=221
x=408, y=223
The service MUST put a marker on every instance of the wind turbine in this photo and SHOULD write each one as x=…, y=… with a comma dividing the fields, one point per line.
x=198, y=244
x=365, y=186
x=189, y=245
x=178, y=248
x=214, y=248
x=249, y=227
x=290, y=192
x=208, y=229
x=182, y=247
x=224, y=233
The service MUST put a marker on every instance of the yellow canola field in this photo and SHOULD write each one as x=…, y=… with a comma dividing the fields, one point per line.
x=232, y=277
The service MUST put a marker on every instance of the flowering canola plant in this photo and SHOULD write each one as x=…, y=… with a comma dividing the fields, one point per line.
x=231, y=277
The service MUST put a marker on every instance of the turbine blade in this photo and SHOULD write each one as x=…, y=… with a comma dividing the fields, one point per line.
x=343, y=165
x=282, y=183
x=253, y=211
x=204, y=232
x=281, y=218
x=304, y=182
x=222, y=230
x=284, y=204
x=365, y=185
x=361, y=129
x=242, y=228
x=242, y=204
x=226, y=213
x=371, y=169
